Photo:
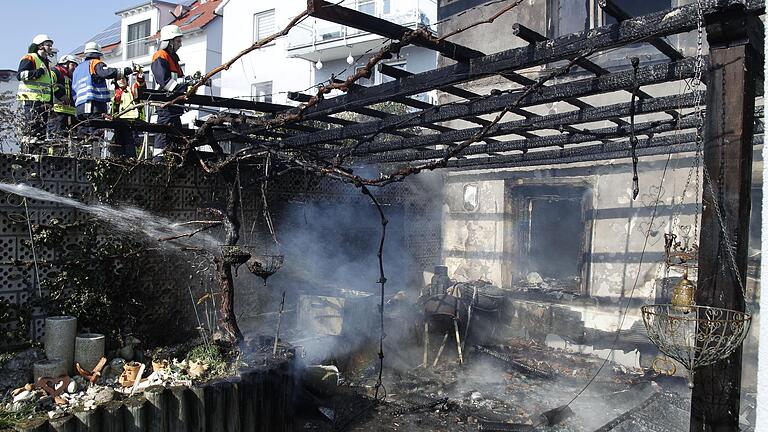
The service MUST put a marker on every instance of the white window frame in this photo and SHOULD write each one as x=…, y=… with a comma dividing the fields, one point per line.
x=257, y=17
x=265, y=93
x=140, y=45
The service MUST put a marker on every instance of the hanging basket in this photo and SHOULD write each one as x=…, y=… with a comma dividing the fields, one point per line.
x=695, y=336
x=264, y=266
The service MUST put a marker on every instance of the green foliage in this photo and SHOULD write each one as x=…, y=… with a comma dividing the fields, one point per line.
x=104, y=176
x=9, y=419
x=98, y=279
x=210, y=355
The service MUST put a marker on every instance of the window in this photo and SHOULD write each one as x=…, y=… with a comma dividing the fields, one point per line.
x=550, y=234
x=263, y=24
x=262, y=92
x=138, y=34
x=367, y=6
x=570, y=16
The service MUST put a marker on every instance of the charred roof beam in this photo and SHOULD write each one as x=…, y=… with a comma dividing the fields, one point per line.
x=362, y=21
x=659, y=24
x=612, y=9
x=646, y=75
x=662, y=145
x=553, y=121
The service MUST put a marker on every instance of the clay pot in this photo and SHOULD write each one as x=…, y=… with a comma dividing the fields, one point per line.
x=158, y=365
x=130, y=372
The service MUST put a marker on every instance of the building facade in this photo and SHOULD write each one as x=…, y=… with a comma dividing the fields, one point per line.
x=134, y=39
x=578, y=252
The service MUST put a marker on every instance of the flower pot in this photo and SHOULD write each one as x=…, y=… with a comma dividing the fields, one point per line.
x=89, y=349
x=59, y=339
x=158, y=365
x=130, y=372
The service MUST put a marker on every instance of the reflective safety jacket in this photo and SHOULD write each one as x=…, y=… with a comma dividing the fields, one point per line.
x=62, y=87
x=87, y=86
x=166, y=70
x=124, y=103
x=39, y=89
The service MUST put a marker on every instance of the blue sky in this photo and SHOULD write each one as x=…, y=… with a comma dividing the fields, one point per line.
x=70, y=23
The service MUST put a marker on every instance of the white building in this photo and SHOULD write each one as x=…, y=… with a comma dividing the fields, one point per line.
x=134, y=39
x=288, y=64
x=267, y=74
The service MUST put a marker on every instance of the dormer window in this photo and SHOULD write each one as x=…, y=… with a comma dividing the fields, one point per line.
x=138, y=35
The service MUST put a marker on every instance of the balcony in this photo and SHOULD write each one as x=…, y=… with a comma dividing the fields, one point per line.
x=338, y=41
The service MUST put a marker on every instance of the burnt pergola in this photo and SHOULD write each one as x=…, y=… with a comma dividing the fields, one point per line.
x=321, y=135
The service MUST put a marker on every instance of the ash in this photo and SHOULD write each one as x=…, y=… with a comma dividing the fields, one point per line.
x=517, y=386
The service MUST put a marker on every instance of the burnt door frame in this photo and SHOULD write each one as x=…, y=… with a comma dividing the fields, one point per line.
x=517, y=224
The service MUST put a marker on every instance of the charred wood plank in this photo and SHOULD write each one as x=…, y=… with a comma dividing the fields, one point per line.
x=515, y=364
x=660, y=24
x=612, y=9
x=616, y=150
x=362, y=21
x=616, y=81
x=524, y=145
x=726, y=201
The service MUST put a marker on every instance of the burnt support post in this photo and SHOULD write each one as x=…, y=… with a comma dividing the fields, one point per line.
x=731, y=85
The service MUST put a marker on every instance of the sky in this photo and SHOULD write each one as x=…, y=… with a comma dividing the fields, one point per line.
x=70, y=23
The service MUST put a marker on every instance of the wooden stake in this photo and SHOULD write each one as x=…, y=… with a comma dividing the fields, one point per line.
x=440, y=351
x=458, y=340
x=279, y=319
x=426, y=344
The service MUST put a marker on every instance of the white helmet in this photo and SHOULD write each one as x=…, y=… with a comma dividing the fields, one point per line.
x=170, y=32
x=69, y=59
x=37, y=40
x=92, y=48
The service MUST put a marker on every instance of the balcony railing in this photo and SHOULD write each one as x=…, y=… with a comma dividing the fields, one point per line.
x=137, y=48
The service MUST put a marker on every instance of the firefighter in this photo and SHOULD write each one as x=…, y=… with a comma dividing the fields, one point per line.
x=35, y=92
x=169, y=77
x=63, y=116
x=89, y=83
x=124, y=108
x=90, y=90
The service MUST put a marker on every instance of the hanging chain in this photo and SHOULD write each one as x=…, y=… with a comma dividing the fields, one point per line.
x=632, y=136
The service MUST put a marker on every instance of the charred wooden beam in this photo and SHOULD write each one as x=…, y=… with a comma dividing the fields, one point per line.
x=524, y=145
x=413, y=103
x=660, y=24
x=213, y=101
x=618, y=150
x=723, y=245
x=616, y=81
x=352, y=18
x=612, y=9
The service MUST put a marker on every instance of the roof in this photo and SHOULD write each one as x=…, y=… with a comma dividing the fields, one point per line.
x=150, y=2
x=106, y=38
x=199, y=15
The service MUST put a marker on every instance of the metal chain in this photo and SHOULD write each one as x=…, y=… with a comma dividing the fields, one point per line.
x=729, y=244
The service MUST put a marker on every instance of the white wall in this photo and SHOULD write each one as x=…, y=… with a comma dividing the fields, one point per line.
x=267, y=64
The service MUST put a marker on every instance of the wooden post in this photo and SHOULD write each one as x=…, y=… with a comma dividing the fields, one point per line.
x=63, y=424
x=232, y=404
x=157, y=408
x=89, y=421
x=35, y=425
x=112, y=417
x=731, y=83
x=247, y=400
x=178, y=410
x=197, y=409
x=215, y=409
x=135, y=417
